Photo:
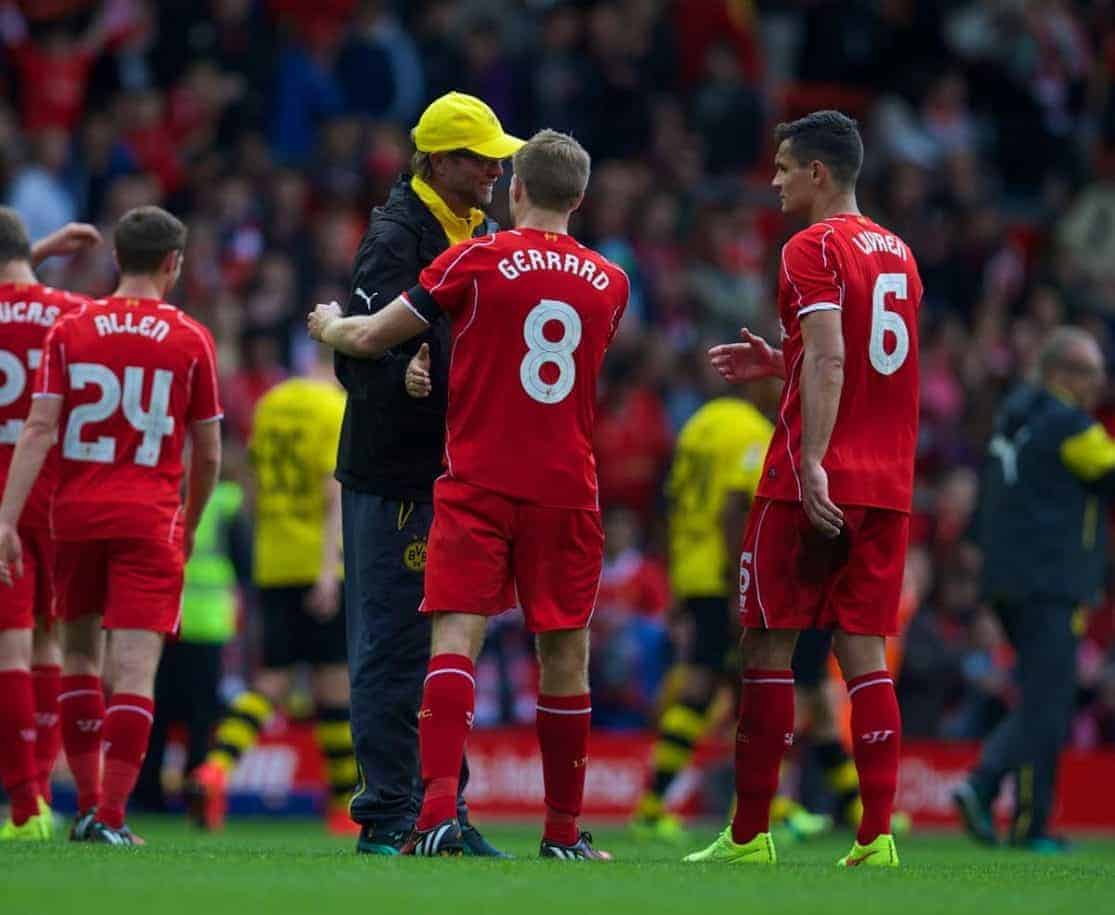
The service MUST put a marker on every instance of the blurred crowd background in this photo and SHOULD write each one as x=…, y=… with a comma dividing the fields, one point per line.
x=273, y=126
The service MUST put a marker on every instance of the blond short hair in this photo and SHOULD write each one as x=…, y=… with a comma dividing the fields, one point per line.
x=554, y=168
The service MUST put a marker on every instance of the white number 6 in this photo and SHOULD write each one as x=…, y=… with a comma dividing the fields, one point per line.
x=887, y=363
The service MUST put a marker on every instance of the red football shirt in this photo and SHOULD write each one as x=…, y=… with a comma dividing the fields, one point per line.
x=27, y=313
x=852, y=264
x=532, y=314
x=134, y=374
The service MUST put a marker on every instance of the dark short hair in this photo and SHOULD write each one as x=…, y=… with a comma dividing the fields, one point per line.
x=828, y=136
x=144, y=236
x=555, y=170
x=14, y=243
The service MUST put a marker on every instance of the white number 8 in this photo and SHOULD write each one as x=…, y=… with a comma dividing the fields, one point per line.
x=541, y=351
x=882, y=320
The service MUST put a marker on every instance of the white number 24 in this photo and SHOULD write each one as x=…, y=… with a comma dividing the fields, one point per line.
x=155, y=423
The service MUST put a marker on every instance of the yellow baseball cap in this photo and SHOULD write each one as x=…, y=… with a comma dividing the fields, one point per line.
x=459, y=121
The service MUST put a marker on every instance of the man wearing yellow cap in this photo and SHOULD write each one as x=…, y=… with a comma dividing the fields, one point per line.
x=391, y=453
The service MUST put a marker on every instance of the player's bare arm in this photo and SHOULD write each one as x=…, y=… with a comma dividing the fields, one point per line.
x=822, y=380
x=749, y=360
x=205, y=469
x=365, y=336
x=35, y=440
x=72, y=238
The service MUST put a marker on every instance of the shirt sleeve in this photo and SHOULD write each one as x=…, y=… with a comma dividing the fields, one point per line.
x=1090, y=455
x=50, y=378
x=445, y=284
x=205, y=398
x=812, y=272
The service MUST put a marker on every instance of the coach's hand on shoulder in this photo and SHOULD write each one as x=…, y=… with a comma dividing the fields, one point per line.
x=418, y=373
x=323, y=601
x=11, y=555
x=821, y=511
x=321, y=317
x=750, y=360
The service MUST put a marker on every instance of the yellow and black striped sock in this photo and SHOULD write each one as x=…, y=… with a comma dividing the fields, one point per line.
x=334, y=739
x=682, y=725
x=841, y=778
x=239, y=729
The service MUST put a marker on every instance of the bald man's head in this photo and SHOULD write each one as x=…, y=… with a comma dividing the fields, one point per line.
x=1071, y=359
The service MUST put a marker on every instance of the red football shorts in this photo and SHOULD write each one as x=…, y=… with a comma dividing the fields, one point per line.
x=485, y=549
x=135, y=584
x=32, y=595
x=792, y=577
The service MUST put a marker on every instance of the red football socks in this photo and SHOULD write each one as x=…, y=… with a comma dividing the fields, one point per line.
x=82, y=705
x=766, y=730
x=876, y=740
x=563, y=724
x=47, y=683
x=126, y=731
x=444, y=720
x=17, y=744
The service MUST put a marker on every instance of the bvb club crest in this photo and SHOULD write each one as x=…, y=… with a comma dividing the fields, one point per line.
x=414, y=556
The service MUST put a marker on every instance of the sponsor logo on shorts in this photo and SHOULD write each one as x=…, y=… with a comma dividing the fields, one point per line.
x=414, y=556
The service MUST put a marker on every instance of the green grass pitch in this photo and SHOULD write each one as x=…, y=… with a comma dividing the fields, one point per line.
x=280, y=867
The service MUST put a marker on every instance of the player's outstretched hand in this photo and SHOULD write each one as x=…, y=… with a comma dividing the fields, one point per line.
x=749, y=360
x=821, y=511
x=418, y=373
x=323, y=601
x=321, y=317
x=70, y=239
x=11, y=555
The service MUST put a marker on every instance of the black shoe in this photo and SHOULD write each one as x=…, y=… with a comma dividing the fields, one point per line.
x=101, y=834
x=1043, y=844
x=440, y=841
x=975, y=814
x=476, y=846
x=79, y=831
x=582, y=850
x=379, y=842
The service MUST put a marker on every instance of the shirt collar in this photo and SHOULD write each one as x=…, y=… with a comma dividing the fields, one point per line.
x=457, y=228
